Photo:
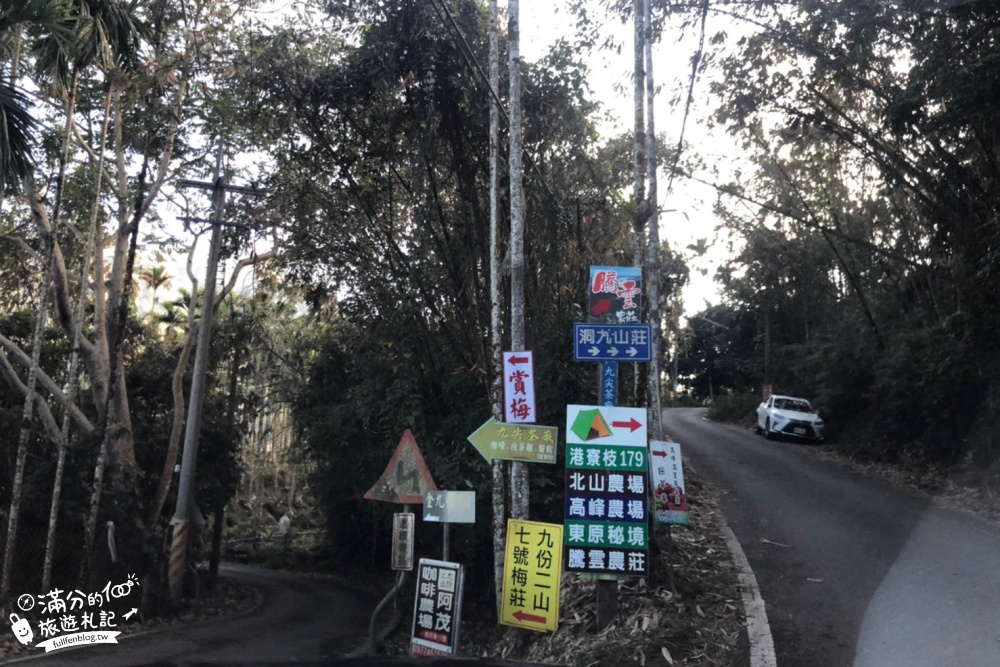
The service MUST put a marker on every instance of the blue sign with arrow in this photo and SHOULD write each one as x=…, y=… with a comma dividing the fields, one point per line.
x=612, y=342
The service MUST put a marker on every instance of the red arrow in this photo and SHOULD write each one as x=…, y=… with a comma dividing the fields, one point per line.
x=632, y=424
x=514, y=361
x=521, y=616
x=660, y=454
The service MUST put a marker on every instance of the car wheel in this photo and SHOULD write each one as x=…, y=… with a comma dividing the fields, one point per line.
x=767, y=430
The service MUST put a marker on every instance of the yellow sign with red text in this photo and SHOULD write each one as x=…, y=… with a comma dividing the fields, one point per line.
x=531, y=574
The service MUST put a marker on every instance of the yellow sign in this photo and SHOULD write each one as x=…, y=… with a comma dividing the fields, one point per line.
x=515, y=442
x=531, y=573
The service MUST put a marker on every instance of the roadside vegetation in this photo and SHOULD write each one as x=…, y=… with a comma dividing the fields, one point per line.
x=864, y=235
x=737, y=408
x=354, y=301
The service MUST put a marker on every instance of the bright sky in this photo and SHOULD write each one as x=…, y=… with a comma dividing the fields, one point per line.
x=686, y=214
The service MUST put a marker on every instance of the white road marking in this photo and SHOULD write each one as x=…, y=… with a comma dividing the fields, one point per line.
x=758, y=630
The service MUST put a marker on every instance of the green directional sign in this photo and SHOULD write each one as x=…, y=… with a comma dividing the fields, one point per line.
x=515, y=442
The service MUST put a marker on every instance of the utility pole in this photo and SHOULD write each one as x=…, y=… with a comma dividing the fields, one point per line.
x=518, y=469
x=181, y=521
x=499, y=468
x=653, y=246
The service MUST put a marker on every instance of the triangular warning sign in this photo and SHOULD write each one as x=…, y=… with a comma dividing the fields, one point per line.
x=589, y=425
x=406, y=479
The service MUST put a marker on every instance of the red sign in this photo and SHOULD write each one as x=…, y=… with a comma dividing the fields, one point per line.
x=615, y=294
x=667, y=470
x=519, y=388
x=406, y=479
x=768, y=390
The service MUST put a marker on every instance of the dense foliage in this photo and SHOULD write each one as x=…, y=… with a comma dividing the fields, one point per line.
x=383, y=169
x=864, y=214
x=867, y=220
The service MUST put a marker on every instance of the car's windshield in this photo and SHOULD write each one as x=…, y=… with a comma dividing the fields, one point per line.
x=792, y=404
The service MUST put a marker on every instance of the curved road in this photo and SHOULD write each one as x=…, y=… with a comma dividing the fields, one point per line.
x=301, y=619
x=853, y=570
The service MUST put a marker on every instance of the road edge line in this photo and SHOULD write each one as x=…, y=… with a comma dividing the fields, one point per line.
x=758, y=630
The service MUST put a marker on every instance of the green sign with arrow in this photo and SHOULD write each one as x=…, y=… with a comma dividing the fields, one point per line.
x=515, y=442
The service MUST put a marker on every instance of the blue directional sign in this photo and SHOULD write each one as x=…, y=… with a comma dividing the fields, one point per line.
x=609, y=383
x=612, y=342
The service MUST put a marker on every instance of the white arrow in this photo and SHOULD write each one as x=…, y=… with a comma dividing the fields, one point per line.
x=613, y=351
x=594, y=351
x=631, y=352
x=131, y=613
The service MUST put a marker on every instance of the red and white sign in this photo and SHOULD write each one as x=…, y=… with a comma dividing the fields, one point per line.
x=519, y=388
x=406, y=479
x=667, y=471
x=437, y=608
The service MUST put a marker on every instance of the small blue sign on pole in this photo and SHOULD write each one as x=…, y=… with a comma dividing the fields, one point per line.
x=612, y=342
x=609, y=382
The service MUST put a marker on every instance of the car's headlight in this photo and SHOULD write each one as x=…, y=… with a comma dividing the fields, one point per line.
x=778, y=417
x=819, y=422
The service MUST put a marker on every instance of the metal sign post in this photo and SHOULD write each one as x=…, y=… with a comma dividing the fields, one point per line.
x=614, y=333
x=405, y=481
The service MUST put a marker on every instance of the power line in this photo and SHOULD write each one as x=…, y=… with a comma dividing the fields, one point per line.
x=470, y=59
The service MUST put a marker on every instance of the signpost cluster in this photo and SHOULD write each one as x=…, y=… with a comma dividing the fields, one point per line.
x=613, y=472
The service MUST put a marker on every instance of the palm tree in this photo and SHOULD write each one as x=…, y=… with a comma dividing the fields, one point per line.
x=155, y=278
x=173, y=317
x=70, y=36
x=37, y=17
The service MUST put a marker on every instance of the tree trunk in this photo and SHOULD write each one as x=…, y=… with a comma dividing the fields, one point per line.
x=518, y=469
x=36, y=351
x=653, y=270
x=22, y=443
x=73, y=380
x=180, y=410
x=176, y=429
x=639, y=155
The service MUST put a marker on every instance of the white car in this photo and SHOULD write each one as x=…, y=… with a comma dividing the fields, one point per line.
x=787, y=415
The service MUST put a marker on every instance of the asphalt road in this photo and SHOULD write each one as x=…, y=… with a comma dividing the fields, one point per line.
x=853, y=570
x=302, y=619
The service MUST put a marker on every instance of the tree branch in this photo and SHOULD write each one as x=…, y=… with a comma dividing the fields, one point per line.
x=45, y=381
x=41, y=407
x=242, y=264
x=60, y=286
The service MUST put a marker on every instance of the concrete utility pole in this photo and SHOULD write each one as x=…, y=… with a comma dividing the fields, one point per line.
x=518, y=469
x=185, y=486
x=499, y=468
x=653, y=246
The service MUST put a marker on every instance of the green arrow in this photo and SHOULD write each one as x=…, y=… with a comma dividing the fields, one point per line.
x=515, y=442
